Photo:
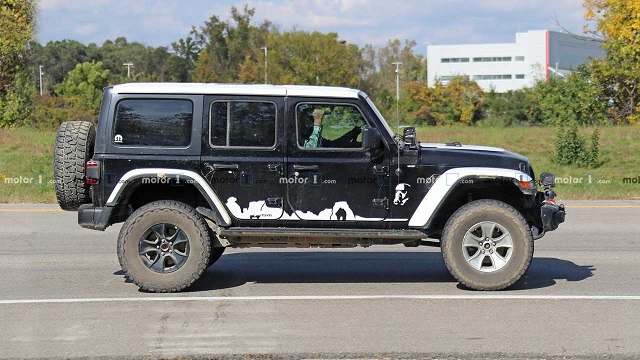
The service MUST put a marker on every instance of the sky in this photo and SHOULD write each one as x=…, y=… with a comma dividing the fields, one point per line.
x=159, y=22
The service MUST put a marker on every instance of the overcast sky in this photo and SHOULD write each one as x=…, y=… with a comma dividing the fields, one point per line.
x=159, y=22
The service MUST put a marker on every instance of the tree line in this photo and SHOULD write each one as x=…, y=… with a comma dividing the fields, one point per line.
x=233, y=51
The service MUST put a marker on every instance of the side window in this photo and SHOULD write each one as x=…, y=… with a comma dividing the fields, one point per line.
x=153, y=122
x=243, y=123
x=329, y=126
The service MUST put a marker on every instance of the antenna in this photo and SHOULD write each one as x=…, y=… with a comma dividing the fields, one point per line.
x=397, y=64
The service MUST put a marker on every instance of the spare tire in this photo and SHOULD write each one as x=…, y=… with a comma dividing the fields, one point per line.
x=74, y=147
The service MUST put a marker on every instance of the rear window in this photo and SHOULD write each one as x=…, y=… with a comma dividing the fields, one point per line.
x=243, y=123
x=153, y=122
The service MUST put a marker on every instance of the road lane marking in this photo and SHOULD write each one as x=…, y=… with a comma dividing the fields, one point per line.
x=321, y=297
x=30, y=210
x=602, y=206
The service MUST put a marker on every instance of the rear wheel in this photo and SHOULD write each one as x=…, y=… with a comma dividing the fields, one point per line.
x=487, y=245
x=74, y=147
x=164, y=246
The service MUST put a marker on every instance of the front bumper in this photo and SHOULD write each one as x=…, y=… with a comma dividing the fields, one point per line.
x=552, y=216
x=95, y=218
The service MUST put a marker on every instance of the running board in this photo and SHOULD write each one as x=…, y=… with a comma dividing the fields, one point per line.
x=305, y=237
x=322, y=233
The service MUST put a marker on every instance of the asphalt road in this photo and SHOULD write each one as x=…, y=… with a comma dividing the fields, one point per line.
x=62, y=294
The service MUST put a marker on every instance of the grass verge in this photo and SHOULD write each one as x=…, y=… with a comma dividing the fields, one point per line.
x=26, y=166
x=26, y=160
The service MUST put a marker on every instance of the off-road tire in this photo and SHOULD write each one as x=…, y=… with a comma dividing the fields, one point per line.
x=216, y=253
x=74, y=147
x=171, y=212
x=465, y=218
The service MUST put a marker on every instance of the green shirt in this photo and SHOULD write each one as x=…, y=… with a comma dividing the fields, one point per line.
x=315, y=140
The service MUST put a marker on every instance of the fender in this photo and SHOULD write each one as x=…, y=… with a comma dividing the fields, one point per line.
x=198, y=181
x=442, y=187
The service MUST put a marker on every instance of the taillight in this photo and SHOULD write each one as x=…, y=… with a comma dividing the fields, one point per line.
x=92, y=172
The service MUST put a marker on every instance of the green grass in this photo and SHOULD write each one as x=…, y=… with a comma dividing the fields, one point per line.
x=26, y=157
x=26, y=166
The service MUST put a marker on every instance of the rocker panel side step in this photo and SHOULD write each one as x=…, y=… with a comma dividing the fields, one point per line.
x=322, y=233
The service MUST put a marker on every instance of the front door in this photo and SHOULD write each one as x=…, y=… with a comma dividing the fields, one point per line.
x=330, y=176
x=243, y=156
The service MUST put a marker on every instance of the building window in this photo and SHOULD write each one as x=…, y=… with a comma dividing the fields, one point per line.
x=446, y=78
x=454, y=60
x=493, y=77
x=519, y=58
x=519, y=76
x=492, y=59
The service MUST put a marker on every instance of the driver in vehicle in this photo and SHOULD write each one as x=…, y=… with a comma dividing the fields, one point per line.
x=315, y=140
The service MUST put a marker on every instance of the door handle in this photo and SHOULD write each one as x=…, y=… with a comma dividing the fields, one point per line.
x=225, y=167
x=305, y=167
x=276, y=168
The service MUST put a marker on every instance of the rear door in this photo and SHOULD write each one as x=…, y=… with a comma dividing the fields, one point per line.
x=243, y=156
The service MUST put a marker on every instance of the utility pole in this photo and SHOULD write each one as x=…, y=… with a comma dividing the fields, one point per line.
x=265, y=63
x=40, y=75
x=128, y=65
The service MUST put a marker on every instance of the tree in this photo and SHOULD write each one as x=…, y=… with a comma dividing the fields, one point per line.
x=16, y=31
x=58, y=58
x=83, y=86
x=513, y=107
x=226, y=45
x=183, y=61
x=461, y=101
x=378, y=72
x=312, y=58
x=16, y=25
x=617, y=22
x=575, y=99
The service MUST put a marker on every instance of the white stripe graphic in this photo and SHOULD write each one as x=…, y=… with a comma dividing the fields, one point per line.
x=321, y=297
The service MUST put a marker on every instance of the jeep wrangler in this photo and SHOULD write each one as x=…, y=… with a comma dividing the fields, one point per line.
x=192, y=169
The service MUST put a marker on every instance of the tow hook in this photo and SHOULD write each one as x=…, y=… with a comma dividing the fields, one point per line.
x=551, y=213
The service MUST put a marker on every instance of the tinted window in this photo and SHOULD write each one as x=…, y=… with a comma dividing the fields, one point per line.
x=219, y=123
x=153, y=122
x=243, y=123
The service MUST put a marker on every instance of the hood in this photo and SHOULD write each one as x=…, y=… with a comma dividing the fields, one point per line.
x=456, y=155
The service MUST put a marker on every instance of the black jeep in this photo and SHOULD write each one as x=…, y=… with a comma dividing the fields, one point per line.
x=192, y=169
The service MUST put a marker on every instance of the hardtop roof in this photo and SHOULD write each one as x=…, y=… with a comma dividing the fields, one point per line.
x=236, y=89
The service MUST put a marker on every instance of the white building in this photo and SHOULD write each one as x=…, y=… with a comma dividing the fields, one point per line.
x=536, y=54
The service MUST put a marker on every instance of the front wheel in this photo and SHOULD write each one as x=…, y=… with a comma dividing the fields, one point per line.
x=164, y=246
x=487, y=245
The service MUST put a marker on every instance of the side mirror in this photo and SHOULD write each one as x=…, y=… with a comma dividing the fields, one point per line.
x=409, y=137
x=371, y=138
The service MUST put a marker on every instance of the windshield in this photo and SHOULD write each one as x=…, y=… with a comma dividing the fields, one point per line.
x=375, y=110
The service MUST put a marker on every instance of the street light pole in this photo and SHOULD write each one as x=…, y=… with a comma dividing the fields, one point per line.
x=40, y=75
x=265, y=63
x=128, y=65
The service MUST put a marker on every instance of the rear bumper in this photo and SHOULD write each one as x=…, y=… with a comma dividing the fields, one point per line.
x=552, y=216
x=95, y=218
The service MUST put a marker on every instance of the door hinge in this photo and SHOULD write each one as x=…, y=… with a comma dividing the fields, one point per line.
x=380, y=169
x=381, y=203
x=274, y=202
